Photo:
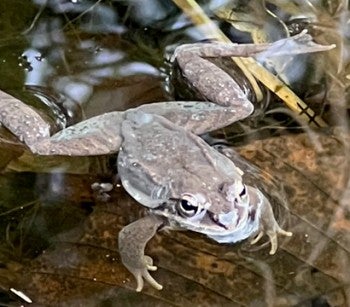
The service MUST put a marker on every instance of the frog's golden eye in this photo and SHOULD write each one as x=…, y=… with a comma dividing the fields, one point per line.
x=188, y=206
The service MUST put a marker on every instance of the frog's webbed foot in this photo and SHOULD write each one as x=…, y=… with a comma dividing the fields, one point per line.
x=132, y=242
x=143, y=273
x=272, y=234
x=270, y=227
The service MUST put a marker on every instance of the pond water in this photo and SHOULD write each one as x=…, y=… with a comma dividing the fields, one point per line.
x=72, y=60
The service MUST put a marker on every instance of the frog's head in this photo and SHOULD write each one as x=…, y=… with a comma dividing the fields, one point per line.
x=229, y=214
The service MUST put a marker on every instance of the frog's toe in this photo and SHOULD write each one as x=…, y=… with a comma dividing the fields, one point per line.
x=273, y=238
x=257, y=238
x=273, y=241
x=139, y=279
x=149, y=263
x=147, y=276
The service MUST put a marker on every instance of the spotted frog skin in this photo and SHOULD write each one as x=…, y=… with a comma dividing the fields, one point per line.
x=163, y=163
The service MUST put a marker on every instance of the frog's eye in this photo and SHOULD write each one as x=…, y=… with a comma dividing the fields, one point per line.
x=188, y=206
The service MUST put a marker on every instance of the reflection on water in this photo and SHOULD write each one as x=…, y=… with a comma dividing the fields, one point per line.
x=68, y=59
x=81, y=58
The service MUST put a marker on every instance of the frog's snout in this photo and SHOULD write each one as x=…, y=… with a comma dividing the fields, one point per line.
x=235, y=191
x=225, y=220
x=229, y=219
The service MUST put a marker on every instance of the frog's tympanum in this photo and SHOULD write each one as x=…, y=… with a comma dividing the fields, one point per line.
x=163, y=163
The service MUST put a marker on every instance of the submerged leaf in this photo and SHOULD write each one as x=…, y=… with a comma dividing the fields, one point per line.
x=311, y=264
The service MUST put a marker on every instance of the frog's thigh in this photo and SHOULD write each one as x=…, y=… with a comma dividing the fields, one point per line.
x=96, y=136
x=198, y=116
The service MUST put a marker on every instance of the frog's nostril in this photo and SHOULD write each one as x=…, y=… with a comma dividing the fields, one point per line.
x=223, y=187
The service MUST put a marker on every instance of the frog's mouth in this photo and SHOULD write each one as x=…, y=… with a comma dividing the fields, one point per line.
x=225, y=228
x=240, y=223
x=240, y=220
x=244, y=225
x=212, y=227
x=214, y=217
x=232, y=220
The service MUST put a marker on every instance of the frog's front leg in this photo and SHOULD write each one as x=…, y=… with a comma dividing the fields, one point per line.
x=132, y=242
x=268, y=224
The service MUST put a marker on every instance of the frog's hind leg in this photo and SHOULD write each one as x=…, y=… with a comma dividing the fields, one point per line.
x=227, y=103
x=297, y=44
x=214, y=83
x=22, y=120
x=98, y=135
x=198, y=116
x=219, y=87
x=95, y=136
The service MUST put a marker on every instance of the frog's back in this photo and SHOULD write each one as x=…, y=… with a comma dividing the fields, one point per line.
x=160, y=160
